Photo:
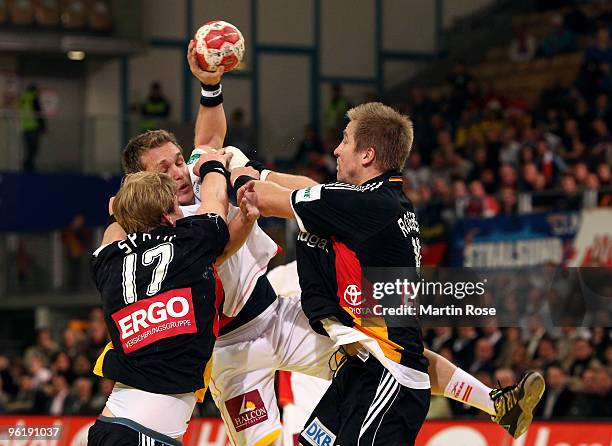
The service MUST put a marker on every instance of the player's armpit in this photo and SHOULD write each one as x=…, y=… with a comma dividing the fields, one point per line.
x=274, y=200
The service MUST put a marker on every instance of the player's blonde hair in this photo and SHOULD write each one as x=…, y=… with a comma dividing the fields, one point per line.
x=142, y=143
x=143, y=199
x=385, y=130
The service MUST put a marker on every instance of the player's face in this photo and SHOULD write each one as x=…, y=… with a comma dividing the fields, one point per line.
x=348, y=162
x=169, y=159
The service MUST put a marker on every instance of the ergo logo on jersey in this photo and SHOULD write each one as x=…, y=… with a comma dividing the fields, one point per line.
x=162, y=316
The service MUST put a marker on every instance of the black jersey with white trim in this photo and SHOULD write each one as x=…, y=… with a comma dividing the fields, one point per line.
x=160, y=304
x=345, y=228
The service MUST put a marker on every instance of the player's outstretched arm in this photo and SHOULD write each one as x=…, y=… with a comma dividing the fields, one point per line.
x=211, y=125
x=213, y=191
x=273, y=200
x=241, y=163
x=290, y=181
x=241, y=225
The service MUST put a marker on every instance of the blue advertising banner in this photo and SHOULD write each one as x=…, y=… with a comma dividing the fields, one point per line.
x=33, y=202
x=516, y=241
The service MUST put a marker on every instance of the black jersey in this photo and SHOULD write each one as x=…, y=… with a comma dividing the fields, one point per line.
x=344, y=229
x=160, y=304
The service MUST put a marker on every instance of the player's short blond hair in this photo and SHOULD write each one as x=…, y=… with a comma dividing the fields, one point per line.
x=143, y=199
x=385, y=130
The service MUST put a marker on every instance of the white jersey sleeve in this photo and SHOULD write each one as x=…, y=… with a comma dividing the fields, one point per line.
x=190, y=210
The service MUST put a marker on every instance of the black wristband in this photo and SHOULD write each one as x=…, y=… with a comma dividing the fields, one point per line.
x=257, y=165
x=241, y=181
x=211, y=95
x=213, y=166
x=210, y=87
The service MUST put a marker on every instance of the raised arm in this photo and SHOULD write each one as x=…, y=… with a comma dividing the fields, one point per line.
x=211, y=125
x=213, y=192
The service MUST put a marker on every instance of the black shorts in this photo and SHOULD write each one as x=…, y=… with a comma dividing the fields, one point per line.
x=365, y=405
x=108, y=431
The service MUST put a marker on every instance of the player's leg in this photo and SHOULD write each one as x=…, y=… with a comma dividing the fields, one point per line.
x=242, y=385
x=511, y=407
x=298, y=347
x=452, y=382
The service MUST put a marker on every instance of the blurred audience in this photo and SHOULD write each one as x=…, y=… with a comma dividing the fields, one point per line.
x=560, y=40
x=335, y=112
x=523, y=46
x=33, y=125
x=76, y=238
x=155, y=108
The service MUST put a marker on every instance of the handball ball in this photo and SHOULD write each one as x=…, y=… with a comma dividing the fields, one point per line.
x=219, y=43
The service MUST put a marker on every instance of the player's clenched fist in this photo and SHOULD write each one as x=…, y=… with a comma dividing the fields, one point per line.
x=247, y=199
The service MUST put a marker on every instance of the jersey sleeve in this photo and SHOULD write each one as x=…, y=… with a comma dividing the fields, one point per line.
x=100, y=270
x=339, y=209
x=208, y=231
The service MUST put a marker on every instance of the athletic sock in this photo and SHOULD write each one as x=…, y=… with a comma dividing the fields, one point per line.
x=465, y=388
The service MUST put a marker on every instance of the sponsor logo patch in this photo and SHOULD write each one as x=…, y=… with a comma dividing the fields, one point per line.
x=353, y=296
x=317, y=434
x=162, y=316
x=246, y=410
x=309, y=194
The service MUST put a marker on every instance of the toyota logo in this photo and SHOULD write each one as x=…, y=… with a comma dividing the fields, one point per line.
x=352, y=295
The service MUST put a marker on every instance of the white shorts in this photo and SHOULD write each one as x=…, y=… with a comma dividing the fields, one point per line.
x=305, y=393
x=245, y=362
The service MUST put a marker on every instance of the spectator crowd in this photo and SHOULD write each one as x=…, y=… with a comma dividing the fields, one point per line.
x=54, y=375
x=576, y=363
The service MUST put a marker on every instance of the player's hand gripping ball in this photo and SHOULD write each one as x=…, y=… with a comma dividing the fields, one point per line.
x=219, y=43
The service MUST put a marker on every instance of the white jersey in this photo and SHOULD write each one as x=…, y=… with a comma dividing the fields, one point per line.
x=285, y=280
x=239, y=273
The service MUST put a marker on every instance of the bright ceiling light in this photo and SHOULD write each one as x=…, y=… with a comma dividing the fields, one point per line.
x=76, y=55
